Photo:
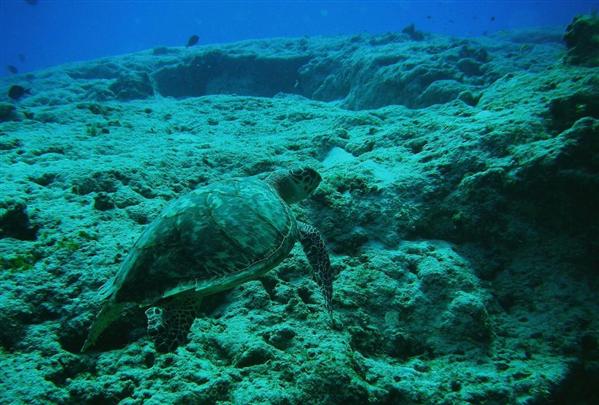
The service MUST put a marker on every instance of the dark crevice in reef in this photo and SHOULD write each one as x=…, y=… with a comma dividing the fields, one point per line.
x=219, y=73
x=565, y=111
x=579, y=386
x=14, y=222
x=128, y=328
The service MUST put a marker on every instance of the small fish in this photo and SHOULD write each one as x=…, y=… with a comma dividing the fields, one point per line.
x=16, y=92
x=428, y=17
x=493, y=18
x=31, y=2
x=12, y=69
x=22, y=57
x=192, y=40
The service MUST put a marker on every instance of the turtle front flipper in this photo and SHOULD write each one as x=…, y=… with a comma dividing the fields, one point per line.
x=169, y=324
x=317, y=255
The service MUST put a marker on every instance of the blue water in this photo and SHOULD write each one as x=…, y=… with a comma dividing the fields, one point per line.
x=57, y=31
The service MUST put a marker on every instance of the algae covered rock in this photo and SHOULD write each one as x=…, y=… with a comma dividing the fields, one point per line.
x=582, y=40
x=403, y=297
x=12, y=315
x=565, y=111
x=132, y=86
x=6, y=111
x=441, y=91
x=561, y=177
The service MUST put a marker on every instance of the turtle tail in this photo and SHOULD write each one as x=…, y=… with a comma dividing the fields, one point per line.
x=109, y=312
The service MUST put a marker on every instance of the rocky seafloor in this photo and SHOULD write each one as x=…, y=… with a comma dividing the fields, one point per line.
x=459, y=202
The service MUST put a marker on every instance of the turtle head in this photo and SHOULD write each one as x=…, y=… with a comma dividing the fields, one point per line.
x=296, y=184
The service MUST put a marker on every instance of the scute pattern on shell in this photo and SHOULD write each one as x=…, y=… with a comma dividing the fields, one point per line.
x=206, y=235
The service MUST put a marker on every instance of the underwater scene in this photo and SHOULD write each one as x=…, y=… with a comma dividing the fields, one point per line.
x=299, y=202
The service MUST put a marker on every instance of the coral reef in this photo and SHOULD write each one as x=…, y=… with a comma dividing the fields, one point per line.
x=458, y=201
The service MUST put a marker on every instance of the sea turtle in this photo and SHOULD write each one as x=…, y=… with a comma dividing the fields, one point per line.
x=209, y=240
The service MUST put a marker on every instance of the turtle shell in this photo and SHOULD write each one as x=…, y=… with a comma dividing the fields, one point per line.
x=208, y=240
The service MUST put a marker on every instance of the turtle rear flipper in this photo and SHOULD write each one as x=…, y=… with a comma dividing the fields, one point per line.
x=317, y=255
x=108, y=314
x=169, y=324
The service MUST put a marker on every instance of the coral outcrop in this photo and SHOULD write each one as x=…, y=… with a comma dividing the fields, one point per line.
x=459, y=198
x=582, y=40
